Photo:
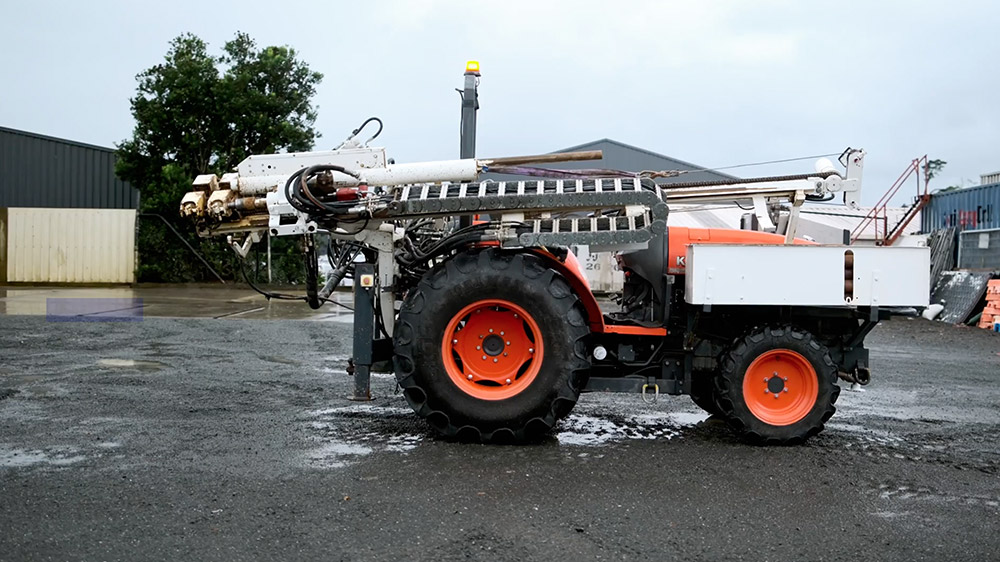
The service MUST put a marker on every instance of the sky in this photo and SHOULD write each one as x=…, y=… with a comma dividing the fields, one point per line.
x=712, y=82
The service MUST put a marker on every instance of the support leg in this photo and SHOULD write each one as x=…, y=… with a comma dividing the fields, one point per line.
x=364, y=329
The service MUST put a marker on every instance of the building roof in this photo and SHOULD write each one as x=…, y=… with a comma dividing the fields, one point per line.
x=29, y=134
x=618, y=151
x=824, y=223
x=622, y=156
x=43, y=171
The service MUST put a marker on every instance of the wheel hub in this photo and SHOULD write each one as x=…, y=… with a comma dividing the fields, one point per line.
x=492, y=349
x=775, y=384
x=493, y=345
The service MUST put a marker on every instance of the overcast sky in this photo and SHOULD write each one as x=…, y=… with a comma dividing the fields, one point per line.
x=715, y=83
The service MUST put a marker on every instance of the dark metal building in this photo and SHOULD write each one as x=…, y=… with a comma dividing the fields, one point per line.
x=625, y=157
x=42, y=171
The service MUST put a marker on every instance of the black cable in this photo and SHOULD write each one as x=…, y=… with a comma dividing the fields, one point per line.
x=305, y=176
x=300, y=197
x=367, y=121
x=821, y=198
x=282, y=296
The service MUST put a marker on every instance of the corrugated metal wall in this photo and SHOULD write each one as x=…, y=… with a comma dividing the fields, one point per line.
x=979, y=249
x=41, y=171
x=973, y=208
x=68, y=245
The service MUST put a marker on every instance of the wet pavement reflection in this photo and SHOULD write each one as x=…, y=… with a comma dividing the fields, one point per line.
x=168, y=302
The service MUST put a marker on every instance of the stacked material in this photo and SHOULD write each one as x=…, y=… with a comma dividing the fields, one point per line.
x=942, y=244
x=960, y=292
x=991, y=314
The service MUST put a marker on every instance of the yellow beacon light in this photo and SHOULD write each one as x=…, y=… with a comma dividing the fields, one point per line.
x=472, y=67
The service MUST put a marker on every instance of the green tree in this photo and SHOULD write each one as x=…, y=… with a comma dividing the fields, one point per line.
x=933, y=168
x=196, y=113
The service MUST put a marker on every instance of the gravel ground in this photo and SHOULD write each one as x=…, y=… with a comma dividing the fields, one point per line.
x=232, y=439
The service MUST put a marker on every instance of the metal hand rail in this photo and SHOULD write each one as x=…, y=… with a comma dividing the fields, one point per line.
x=880, y=210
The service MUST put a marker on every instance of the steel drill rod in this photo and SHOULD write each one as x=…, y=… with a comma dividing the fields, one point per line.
x=543, y=158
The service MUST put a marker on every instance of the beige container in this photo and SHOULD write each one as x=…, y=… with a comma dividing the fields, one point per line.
x=67, y=245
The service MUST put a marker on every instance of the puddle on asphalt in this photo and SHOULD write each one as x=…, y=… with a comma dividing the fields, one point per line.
x=20, y=458
x=348, y=433
x=131, y=364
x=583, y=430
x=873, y=435
x=337, y=365
x=337, y=454
x=278, y=360
x=892, y=492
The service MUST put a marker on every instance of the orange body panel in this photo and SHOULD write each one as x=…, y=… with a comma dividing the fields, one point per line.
x=680, y=237
x=573, y=272
x=634, y=330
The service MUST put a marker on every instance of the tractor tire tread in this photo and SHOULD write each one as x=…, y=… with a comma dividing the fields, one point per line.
x=462, y=267
x=729, y=383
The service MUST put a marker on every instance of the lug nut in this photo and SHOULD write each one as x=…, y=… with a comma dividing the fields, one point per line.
x=501, y=332
x=478, y=347
x=470, y=377
x=775, y=396
x=454, y=341
x=508, y=381
x=786, y=390
x=531, y=350
x=484, y=358
x=786, y=378
x=495, y=359
x=505, y=354
x=508, y=343
x=491, y=330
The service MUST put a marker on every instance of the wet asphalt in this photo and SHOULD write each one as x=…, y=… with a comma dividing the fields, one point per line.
x=232, y=439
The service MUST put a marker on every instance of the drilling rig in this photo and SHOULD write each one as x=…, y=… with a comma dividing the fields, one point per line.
x=470, y=289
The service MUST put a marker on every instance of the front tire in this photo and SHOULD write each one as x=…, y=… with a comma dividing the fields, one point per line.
x=777, y=386
x=490, y=346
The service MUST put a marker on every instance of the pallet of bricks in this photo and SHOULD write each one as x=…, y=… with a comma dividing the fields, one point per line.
x=991, y=314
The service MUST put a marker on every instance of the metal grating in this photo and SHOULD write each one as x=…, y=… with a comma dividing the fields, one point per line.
x=960, y=292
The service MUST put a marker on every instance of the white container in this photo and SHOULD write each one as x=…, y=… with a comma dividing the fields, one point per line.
x=601, y=270
x=726, y=274
x=39, y=245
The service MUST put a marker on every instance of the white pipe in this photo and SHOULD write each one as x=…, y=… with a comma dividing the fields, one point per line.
x=421, y=172
x=395, y=174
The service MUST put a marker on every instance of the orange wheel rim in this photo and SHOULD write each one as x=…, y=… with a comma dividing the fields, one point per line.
x=492, y=349
x=780, y=387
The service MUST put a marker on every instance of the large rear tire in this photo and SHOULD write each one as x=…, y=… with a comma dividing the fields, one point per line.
x=777, y=386
x=490, y=346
